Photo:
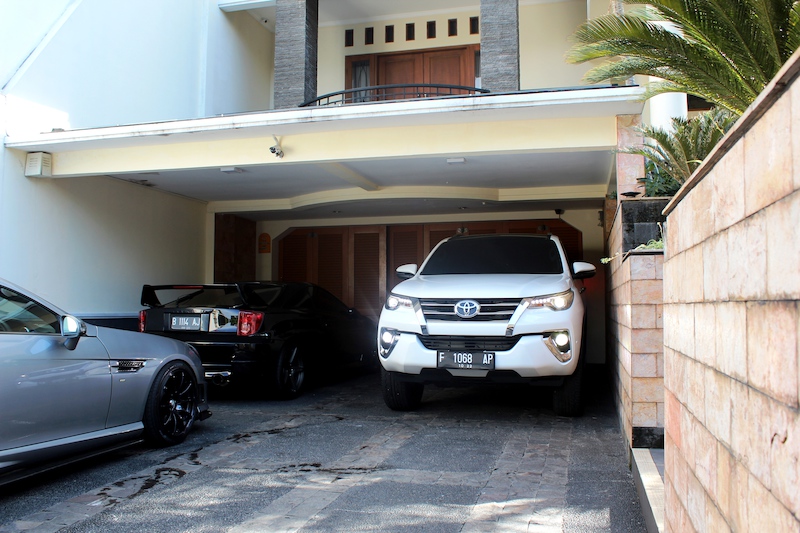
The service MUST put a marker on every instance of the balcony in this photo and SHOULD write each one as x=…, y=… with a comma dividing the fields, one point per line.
x=389, y=93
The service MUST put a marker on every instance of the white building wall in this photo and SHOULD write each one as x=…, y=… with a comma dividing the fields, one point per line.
x=88, y=244
x=240, y=63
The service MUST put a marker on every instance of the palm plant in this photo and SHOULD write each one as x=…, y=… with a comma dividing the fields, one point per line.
x=672, y=156
x=725, y=51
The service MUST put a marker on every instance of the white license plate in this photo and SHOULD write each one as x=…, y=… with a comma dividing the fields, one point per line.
x=466, y=360
x=185, y=323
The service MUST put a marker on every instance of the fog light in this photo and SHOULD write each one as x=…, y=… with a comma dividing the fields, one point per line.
x=387, y=338
x=558, y=342
x=561, y=339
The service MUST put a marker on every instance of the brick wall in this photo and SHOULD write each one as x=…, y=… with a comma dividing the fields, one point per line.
x=635, y=341
x=731, y=319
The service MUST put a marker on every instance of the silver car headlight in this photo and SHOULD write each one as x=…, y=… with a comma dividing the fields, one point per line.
x=556, y=302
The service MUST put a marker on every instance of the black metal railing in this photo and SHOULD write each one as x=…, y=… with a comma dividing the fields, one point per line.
x=388, y=93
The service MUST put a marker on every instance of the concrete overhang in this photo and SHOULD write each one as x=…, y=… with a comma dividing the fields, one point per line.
x=535, y=146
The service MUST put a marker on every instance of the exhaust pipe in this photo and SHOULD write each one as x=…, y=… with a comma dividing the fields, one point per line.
x=220, y=379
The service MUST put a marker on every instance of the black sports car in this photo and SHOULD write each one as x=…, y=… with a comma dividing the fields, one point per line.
x=266, y=336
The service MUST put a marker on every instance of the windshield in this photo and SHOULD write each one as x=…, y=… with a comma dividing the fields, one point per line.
x=507, y=254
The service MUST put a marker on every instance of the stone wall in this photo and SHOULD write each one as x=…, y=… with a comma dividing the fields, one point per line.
x=635, y=341
x=731, y=289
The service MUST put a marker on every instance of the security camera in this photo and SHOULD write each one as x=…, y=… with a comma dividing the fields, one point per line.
x=277, y=151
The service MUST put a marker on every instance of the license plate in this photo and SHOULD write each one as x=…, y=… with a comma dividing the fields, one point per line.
x=184, y=323
x=466, y=360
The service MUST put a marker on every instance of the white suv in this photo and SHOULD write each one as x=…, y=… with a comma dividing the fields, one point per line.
x=485, y=309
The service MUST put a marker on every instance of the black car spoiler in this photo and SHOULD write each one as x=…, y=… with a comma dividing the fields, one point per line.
x=150, y=299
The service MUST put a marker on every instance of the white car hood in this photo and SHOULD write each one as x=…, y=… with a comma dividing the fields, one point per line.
x=484, y=285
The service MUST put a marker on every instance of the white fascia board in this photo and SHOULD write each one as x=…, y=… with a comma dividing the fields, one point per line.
x=243, y=5
x=594, y=102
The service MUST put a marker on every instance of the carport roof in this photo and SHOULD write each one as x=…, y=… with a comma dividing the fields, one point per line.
x=520, y=151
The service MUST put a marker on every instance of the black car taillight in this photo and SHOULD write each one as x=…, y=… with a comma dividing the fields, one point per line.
x=142, y=321
x=249, y=323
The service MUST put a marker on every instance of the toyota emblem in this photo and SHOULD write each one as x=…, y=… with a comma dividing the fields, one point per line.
x=467, y=308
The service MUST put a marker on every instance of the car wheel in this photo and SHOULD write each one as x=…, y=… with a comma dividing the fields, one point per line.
x=171, y=407
x=290, y=372
x=567, y=398
x=398, y=394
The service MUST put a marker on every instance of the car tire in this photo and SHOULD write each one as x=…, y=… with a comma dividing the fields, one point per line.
x=290, y=372
x=400, y=395
x=171, y=408
x=567, y=397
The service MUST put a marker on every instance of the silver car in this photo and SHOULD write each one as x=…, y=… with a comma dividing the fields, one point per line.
x=69, y=389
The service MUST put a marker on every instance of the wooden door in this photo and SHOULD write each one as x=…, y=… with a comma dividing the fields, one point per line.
x=446, y=67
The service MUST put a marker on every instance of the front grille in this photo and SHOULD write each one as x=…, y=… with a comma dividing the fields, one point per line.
x=448, y=343
x=491, y=310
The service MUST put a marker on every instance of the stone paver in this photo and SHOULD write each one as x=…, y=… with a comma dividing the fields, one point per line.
x=470, y=460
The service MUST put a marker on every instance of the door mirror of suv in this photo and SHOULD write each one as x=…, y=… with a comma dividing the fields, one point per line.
x=406, y=271
x=583, y=270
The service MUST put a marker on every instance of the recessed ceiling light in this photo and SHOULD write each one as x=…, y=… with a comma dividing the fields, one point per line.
x=455, y=160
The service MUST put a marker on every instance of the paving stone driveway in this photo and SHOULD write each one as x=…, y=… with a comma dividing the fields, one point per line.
x=337, y=459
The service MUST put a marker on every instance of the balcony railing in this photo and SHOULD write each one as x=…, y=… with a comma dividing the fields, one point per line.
x=388, y=93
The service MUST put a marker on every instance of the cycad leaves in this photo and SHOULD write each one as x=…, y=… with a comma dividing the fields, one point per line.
x=725, y=51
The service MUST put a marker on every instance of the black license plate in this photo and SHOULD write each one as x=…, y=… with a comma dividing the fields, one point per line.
x=466, y=360
x=184, y=323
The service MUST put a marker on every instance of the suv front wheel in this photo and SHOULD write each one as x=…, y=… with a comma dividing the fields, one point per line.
x=400, y=395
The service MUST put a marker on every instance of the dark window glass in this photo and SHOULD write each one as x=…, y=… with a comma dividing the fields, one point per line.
x=410, y=31
x=369, y=35
x=431, y=29
x=20, y=314
x=389, y=34
x=348, y=37
x=512, y=254
x=474, y=26
x=452, y=27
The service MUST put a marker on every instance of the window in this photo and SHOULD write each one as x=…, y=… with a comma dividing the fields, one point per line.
x=369, y=35
x=410, y=31
x=348, y=37
x=452, y=27
x=389, y=38
x=474, y=26
x=20, y=314
x=360, y=78
x=431, y=29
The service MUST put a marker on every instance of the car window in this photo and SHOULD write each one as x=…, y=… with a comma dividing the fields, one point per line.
x=200, y=297
x=325, y=301
x=495, y=255
x=262, y=295
x=20, y=314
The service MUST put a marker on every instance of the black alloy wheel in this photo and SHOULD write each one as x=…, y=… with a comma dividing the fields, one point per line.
x=290, y=372
x=171, y=408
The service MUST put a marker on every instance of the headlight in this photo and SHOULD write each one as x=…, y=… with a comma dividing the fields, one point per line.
x=394, y=302
x=556, y=302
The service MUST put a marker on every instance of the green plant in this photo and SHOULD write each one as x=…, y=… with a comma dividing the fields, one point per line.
x=725, y=51
x=671, y=156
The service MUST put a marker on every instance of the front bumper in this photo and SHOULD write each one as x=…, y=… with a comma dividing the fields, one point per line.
x=529, y=358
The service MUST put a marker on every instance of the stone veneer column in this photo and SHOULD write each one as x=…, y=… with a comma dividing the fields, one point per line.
x=500, y=45
x=296, y=29
x=629, y=167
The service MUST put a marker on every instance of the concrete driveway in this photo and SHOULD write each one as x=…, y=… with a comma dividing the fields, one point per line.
x=473, y=459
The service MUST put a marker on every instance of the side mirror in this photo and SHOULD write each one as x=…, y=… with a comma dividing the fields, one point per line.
x=406, y=271
x=583, y=270
x=71, y=329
